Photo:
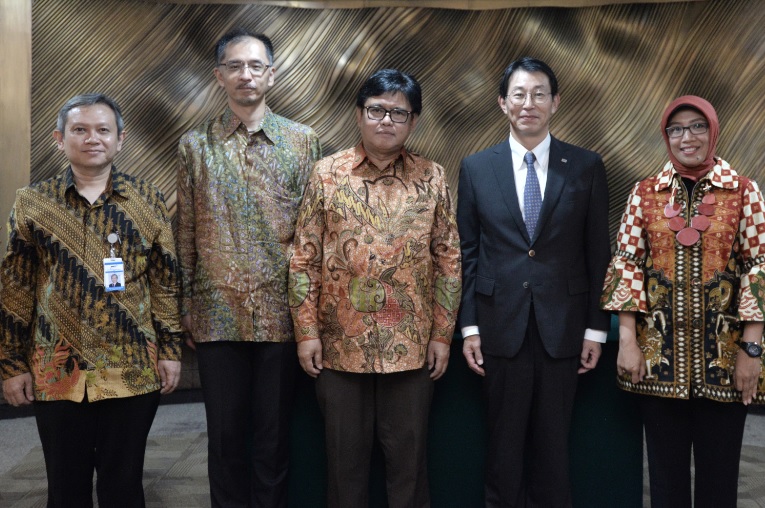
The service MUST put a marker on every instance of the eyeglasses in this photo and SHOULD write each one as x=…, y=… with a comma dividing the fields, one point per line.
x=519, y=98
x=396, y=115
x=677, y=131
x=235, y=67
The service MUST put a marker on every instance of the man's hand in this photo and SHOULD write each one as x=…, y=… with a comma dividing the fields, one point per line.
x=438, y=358
x=310, y=356
x=186, y=325
x=590, y=355
x=747, y=376
x=19, y=390
x=169, y=375
x=471, y=349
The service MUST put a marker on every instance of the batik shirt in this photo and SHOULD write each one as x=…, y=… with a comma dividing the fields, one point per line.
x=56, y=319
x=375, y=272
x=691, y=302
x=238, y=197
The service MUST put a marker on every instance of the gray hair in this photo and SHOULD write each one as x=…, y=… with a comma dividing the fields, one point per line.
x=89, y=99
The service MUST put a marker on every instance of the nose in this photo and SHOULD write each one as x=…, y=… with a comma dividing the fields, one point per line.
x=687, y=132
x=91, y=138
x=386, y=118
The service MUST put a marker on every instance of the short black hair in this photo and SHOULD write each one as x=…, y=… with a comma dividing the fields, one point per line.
x=89, y=99
x=528, y=64
x=387, y=81
x=236, y=35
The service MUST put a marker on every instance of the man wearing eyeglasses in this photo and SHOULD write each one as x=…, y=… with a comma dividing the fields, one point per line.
x=533, y=220
x=241, y=177
x=374, y=290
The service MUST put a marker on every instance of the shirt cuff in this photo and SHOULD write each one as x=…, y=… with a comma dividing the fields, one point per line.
x=595, y=335
x=467, y=331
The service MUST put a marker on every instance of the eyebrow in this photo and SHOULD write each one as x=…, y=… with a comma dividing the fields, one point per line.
x=700, y=119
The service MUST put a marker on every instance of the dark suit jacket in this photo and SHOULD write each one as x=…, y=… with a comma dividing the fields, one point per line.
x=562, y=268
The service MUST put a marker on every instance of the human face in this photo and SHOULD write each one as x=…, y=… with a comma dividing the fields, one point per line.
x=90, y=139
x=690, y=149
x=384, y=138
x=242, y=88
x=529, y=122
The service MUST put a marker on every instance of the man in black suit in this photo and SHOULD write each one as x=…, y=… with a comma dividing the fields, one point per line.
x=533, y=223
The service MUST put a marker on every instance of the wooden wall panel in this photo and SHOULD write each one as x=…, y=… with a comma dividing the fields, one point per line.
x=15, y=103
x=618, y=65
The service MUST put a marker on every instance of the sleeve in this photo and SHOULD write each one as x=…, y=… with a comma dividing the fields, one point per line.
x=751, y=237
x=624, y=289
x=469, y=228
x=306, y=262
x=445, y=252
x=598, y=248
x=18, y=275
x=187, y=251
x=164, y=288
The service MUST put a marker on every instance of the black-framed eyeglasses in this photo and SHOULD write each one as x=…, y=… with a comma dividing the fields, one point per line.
x=677, y=131
x=396, y=115
x=519, y=98
x=256, y=69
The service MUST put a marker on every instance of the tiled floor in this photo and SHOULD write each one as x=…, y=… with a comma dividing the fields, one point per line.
x=176, y=462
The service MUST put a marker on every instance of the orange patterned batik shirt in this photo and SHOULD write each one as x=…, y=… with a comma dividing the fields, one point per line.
x=375, y=272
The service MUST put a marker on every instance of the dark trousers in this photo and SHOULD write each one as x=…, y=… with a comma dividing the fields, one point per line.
x=108, y=436
x=396, y=407
x=714, y=430
x=529, y=399
x=248, y=389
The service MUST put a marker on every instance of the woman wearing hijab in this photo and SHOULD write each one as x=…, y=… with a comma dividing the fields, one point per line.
x=688, y=282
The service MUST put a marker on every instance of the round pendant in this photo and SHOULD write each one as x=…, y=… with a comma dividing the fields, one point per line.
x=113, y=238
x=700, y=222
x=706, y=209
x=688, y=236
x=672, y=210
x=676, y=223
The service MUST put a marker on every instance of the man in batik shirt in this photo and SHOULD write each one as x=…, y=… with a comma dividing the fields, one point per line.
x=240, y=181
x=374, y=289
x=93, y=358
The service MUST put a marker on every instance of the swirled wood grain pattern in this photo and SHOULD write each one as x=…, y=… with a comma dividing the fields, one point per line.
x=618, y=67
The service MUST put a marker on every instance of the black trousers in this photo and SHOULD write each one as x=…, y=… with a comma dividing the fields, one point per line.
x=396, y=407
x=108, y=436
x=714, y=430
x=529, y=399
x=248, y=389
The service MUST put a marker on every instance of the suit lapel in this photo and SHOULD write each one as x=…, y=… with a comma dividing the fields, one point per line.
x=502, y=164
x=557, y=170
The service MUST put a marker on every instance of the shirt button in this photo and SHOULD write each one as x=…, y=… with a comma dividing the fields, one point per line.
x=526, y=285
x=697, y=323
x=532, y=253
x=696, y=281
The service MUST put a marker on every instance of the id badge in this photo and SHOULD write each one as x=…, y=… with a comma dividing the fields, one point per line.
x=114, y=274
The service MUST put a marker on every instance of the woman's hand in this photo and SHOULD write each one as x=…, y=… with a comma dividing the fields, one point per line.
x=630, y=360
x=747, y=376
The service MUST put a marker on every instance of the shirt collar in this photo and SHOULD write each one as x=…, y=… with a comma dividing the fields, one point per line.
x=541, y=152
x=117, y=183
x=721, y=175
x=359, y=156
x=231, y=123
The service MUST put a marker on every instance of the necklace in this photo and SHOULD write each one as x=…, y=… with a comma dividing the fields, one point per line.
x=689, y=235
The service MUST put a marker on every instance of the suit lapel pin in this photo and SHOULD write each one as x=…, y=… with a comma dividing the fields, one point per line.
x=564, y=160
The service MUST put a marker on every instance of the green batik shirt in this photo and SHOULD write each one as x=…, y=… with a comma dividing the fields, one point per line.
x=238, y=199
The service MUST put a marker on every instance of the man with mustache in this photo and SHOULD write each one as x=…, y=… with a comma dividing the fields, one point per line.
x=240, y=180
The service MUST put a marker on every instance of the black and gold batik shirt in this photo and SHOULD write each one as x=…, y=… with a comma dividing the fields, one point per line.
x=56, y=320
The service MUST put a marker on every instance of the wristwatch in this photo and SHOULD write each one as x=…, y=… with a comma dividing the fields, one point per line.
x=751, y=348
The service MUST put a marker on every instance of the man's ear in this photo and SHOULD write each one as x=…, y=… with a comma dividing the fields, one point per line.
x=59, y=137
